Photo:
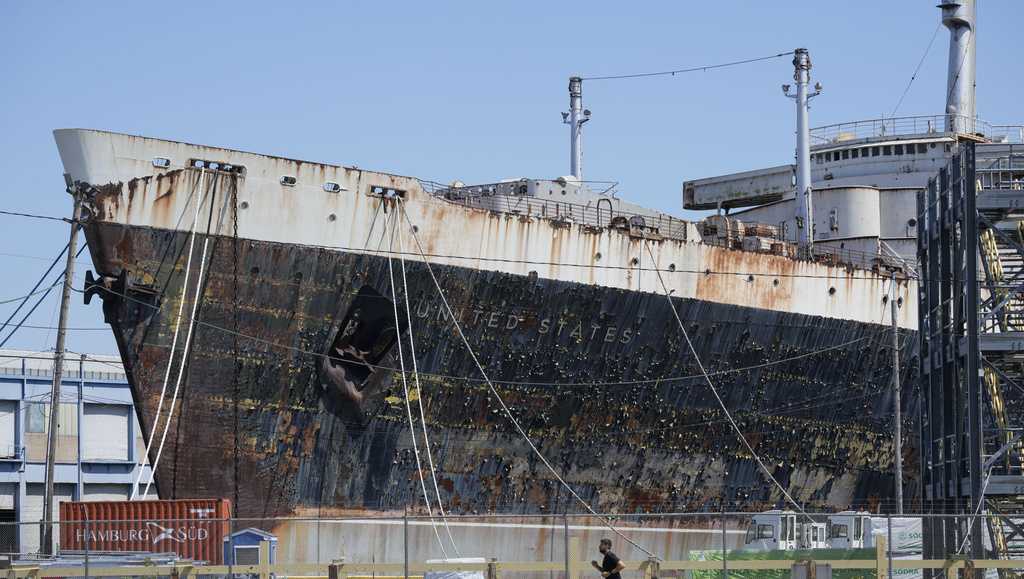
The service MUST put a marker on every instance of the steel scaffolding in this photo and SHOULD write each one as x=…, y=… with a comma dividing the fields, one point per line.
x=971, y=331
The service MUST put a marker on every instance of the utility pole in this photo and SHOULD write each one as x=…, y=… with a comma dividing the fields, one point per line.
x=804, y=206
x=898, y=441
x=46, y=525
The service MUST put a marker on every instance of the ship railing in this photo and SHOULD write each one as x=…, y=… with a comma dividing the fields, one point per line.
x=1001, y=169
x=601, y=213
x=432, y=187
x=917, y=125
x=70, y=372
x=825, y=254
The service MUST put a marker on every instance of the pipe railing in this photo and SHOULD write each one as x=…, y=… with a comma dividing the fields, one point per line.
x=600, y=213
x=603, y=214
x=916, y=125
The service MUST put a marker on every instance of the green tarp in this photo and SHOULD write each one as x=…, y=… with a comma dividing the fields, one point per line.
x=797, y=555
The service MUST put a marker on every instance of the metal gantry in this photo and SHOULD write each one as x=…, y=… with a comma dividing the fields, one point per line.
x=971, y=322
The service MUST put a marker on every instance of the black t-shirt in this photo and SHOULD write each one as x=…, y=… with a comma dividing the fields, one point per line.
x=609, y=564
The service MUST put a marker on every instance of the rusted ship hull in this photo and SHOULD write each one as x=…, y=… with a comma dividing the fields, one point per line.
x=290, y=402
x=257, y=423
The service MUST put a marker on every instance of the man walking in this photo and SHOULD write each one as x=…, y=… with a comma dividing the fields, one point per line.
x=611, y=565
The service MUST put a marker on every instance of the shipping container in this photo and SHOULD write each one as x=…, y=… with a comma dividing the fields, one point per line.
x=192, y=528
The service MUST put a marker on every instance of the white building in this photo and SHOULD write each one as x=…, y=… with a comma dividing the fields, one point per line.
x=99, y=441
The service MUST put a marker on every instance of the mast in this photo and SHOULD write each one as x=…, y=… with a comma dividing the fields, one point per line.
x=804, y=206
x=575, y=118
x=959, y=18
x=46, y=530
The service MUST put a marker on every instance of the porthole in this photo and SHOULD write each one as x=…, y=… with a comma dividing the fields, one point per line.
x=161, y=162
x=332, y=217
x=671, y=267
x=243, y=205
x=288, y=180
x=332, y=187
x=831, y=291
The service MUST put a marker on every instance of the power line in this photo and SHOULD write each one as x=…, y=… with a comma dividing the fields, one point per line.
x=34, y=216
x=80, y=329
x=705, y=68
x=35, y=287
x=30, y=294
x=40, y=258
x=88, y=358
x=918, y=69
x=39, y=302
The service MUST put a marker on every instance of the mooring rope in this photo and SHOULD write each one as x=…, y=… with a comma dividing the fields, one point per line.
x=494, y=391
x=201, y=184
x=405, y=390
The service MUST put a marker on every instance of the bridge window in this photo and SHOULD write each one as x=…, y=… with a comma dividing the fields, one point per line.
x=923, y=148
x=875, y=151
x=846, y=154
x=856, y=153
x=756, y=532
x=839, y=532
x=899, y=149
x=887, y=150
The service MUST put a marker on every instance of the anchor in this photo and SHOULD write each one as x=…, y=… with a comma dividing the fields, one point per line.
x=115, y=291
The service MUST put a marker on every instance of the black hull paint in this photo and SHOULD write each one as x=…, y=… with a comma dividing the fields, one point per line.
x=259, y=422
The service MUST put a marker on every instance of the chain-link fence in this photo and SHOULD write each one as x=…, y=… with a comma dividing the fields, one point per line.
x=695, y=546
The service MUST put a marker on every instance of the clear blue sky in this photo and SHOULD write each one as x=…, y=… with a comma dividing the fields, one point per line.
x=452, y=90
